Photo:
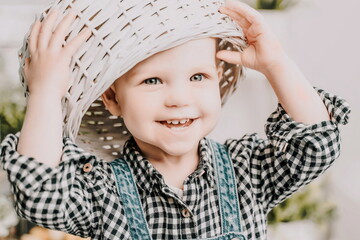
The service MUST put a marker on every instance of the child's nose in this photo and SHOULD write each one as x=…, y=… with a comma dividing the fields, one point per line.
x=178, y=95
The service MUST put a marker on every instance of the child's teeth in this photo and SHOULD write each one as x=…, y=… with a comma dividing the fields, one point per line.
x=177, y=121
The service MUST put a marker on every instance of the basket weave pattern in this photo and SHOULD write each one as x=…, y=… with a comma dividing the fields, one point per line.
x=125, y=32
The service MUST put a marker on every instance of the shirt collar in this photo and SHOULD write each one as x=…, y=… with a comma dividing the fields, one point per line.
x=147, y=177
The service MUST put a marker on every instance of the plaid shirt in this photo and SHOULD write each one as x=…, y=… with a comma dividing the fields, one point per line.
x=80, y=195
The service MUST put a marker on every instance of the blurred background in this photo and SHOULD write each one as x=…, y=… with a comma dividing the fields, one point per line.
x=321, y=36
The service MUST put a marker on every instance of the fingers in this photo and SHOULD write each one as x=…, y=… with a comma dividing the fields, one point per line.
x=244, y=10
x=250, y=20
x=244, y=24
x=42, y=37
x=26, y=66
x=61, y=30
x=233, y=57
x=27, y=70
x=75, y=44
x=46, y=30
x=33, y=38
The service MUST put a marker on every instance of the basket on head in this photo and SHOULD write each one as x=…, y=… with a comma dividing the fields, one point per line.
x=124, y=33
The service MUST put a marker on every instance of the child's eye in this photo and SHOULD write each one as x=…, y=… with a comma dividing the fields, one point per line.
x=152, y=81
x=197, y=77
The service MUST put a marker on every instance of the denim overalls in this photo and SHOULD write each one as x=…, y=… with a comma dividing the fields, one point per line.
x=226, y=185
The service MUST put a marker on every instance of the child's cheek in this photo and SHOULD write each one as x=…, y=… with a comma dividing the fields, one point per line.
x=211, y=103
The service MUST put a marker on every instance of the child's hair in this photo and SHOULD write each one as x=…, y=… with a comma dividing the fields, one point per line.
x=125, y=32
x=218, y=62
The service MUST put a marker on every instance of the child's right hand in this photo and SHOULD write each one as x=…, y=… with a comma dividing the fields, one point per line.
x=47, y=71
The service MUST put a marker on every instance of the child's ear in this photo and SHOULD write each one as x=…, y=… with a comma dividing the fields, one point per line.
x=110, y=102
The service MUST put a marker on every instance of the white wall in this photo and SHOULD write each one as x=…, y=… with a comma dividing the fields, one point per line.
x=322, y=37
x=332, y=62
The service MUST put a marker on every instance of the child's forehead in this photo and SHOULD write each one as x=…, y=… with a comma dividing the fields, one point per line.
x=199, y=53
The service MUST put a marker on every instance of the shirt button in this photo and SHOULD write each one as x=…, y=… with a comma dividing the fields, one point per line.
x=87, y=167
x=185, y=213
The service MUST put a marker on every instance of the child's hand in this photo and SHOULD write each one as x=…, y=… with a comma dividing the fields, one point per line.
x=264, y=50
x=48, y=69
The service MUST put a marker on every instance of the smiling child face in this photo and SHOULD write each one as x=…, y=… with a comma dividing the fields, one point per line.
x=170, y=100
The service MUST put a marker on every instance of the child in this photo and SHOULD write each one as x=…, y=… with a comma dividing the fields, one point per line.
x=170, y=182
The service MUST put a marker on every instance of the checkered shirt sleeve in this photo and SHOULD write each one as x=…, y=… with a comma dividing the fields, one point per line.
x=292, y=155
x=61, y=198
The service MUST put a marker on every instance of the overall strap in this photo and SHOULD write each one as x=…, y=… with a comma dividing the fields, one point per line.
x=227, y=189
x=130, y=198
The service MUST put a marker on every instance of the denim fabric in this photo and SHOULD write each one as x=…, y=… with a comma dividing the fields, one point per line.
x=130, y=197
x=226, y=185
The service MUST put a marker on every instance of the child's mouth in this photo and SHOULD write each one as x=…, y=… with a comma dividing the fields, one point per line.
x=183, y=123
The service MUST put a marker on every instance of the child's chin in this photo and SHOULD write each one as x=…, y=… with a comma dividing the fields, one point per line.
x=180, y=148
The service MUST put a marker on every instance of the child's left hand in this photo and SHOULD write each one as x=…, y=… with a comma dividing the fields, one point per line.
x=264, y=51
x=266, y=55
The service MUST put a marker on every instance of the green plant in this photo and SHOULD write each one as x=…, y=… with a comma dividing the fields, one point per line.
x=12, y=103
x=310, y=203
x=271, y=4
x=12, y=109
x=11, y=118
